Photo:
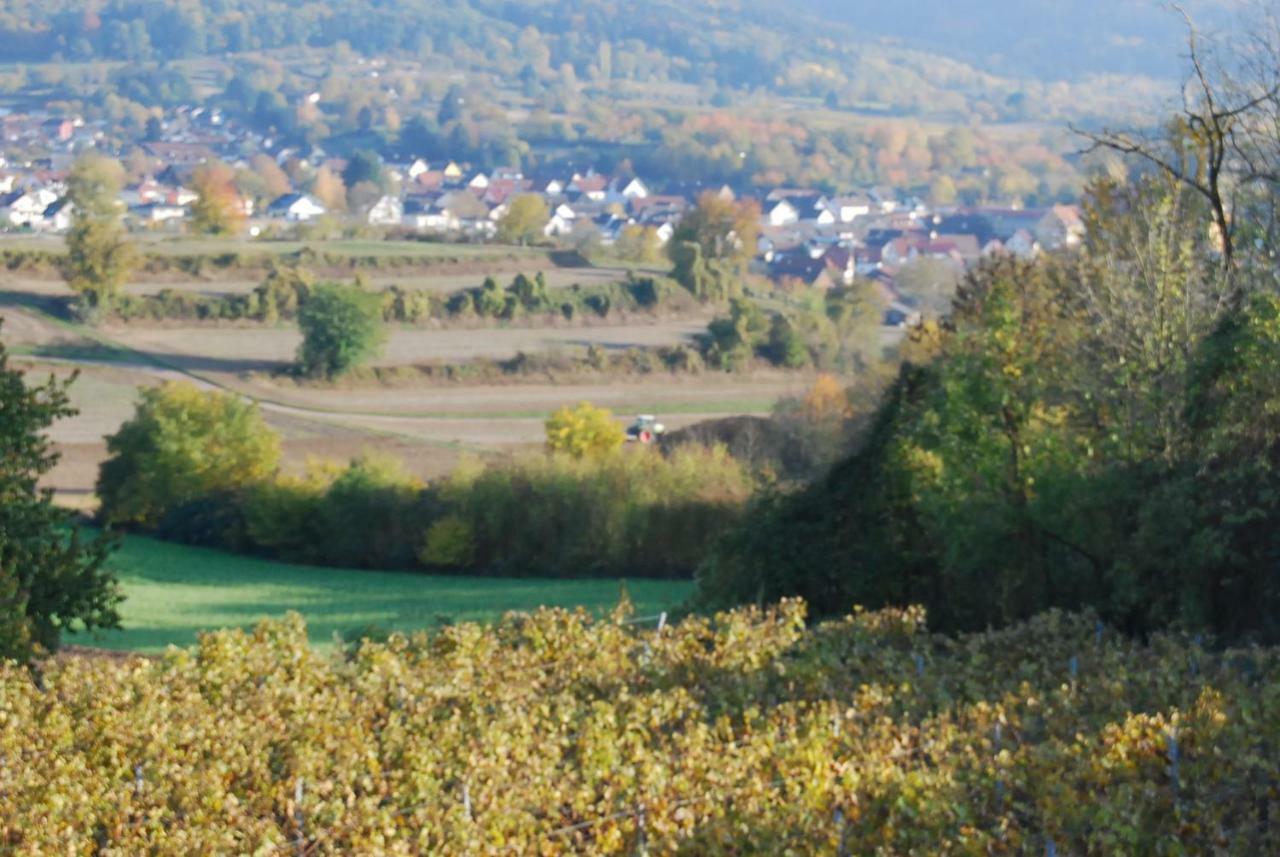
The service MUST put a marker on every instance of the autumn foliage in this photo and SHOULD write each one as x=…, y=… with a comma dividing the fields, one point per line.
x=742, y=733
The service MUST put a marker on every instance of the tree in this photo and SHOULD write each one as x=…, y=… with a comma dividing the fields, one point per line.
x=51, y=580
x=341, y=329
x=99, y=255
x=363, y=166
x=452, y=106
x=786, y=347
x=1224, y=145
x=640, y=244
x=217, y=209
x=525, y=220
x=273, y=178
x=713, y=244
x=183, y=444
x=584, y=431
x=942, y=190
x=329, y=189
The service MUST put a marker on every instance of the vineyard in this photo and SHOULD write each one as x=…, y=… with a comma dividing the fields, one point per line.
x=746, y=733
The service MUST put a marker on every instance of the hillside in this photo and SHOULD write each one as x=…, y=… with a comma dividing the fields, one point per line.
x=861, y=54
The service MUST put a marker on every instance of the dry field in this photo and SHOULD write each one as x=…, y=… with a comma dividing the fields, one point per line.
x=241, y=349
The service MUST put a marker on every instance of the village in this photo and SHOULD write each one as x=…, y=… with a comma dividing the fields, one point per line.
x=807, y=236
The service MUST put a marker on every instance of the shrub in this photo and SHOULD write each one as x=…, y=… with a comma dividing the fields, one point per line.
x=183, y=443
x=365, y=514
x=450, y=544
x=583, y=431
x=341, y=329
x=630, y=512
x=281, y=294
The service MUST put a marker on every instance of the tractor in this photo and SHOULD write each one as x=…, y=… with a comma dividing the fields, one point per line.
x=645, y=429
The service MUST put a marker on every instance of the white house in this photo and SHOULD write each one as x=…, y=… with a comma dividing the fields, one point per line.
x=157, y=211
x=850, y=207
x=624, y=190
x=25, y=208
x=561, y=222
x=57, y=217
x=387, y=211
x=782, y=213
x=296, y=208
x=425, y=216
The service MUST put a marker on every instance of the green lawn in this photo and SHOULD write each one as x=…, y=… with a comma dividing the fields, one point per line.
x=172, y=592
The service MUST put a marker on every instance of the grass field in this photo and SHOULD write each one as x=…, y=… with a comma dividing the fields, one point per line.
x=173, y=592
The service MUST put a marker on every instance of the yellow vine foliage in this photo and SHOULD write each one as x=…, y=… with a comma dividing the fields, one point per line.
x=745, y=733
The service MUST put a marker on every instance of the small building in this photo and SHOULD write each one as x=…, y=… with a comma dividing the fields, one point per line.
x=57, y=217
x=296, y=208
x=387, y=211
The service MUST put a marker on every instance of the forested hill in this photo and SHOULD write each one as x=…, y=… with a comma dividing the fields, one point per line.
x=1048, y=39
x=735, y=42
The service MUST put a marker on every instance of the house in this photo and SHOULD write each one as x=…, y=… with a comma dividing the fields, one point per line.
x=148, y=190
x=548, y=186
x=966, y=223
x=800, y=268
x=506, y=174
x=179, y=196
x=501, y=190
x=849, y=207
x=561, y=222
x=1022, y=244
x=25, y=208
x=1061, y=226
x=157, y=212
x=781, y=213
x=59, y=129
x=427, y=215
x=841, y=262
x=966, y=246
x=296, y=208
x=622, y=190
x=610, y=227
x=591, y=186
x=897, y=251
x=180, y=154
x=387, y=211
x=695, y=190
x=454, y=211
x=57, y=217
x=647, y=206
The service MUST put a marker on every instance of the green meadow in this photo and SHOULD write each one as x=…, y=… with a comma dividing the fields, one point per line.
x=173, y=592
